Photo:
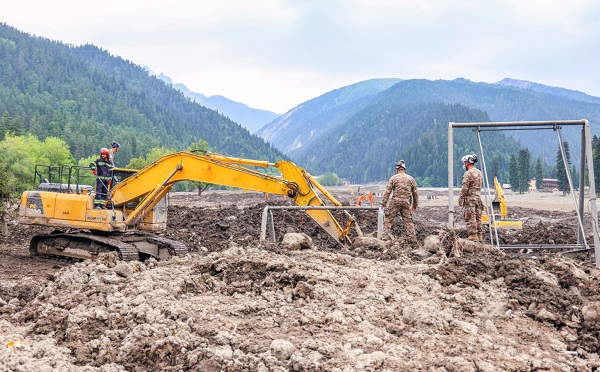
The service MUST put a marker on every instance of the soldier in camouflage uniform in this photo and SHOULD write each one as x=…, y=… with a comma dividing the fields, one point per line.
x=470, y=198
x=403, y=189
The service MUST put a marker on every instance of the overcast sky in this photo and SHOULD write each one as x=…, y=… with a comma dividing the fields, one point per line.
x=276, y=54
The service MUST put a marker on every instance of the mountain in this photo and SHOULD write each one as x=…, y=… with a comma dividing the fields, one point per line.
x=88, y=98
x=566, y=93
x=370, y=127
x=250, y=118
x=303, y=124
x=366, y=147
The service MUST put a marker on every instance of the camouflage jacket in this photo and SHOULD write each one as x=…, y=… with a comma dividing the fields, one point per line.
x=403, y=187
x=471, y=184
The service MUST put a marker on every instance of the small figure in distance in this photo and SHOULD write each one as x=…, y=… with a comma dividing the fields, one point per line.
x=470, y=198
x=405, y=197
x=102, y=169
x=115, y=146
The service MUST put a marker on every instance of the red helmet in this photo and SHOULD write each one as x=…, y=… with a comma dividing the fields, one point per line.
x=104, y=151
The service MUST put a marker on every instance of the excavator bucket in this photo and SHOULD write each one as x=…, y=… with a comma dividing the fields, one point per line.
x=502, y=223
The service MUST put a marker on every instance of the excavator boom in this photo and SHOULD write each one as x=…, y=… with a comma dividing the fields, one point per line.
x=154, y=181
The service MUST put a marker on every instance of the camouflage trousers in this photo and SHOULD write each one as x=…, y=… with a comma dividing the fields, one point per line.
x=472, y=215
x=392, y=210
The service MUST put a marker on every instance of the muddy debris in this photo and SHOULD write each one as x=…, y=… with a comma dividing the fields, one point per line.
x=303, y=302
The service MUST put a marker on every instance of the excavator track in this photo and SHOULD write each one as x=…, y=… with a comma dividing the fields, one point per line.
x=175, y=248
x=131, y=247
x=155, y=246
x=80, y=246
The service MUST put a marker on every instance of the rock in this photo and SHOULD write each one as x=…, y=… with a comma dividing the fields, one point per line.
x=296, y=242
x=123, y=269
x=282, y=349
x=303, y=290
x=108, y=259
x=544, y=314
x=591, y=313
x=432, y=243
x=367, y=242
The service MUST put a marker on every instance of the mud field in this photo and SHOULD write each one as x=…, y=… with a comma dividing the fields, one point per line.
x=236, y=304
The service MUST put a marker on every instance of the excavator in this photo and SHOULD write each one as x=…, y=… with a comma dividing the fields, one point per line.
x=137, y=204
x=500, y=220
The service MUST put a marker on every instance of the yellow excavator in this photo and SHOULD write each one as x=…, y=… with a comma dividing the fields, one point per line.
x=500, y=220
x=137, y=207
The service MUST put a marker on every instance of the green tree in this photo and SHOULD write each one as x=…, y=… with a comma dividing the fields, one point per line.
x=539, y=174
x=561, y=170
x=495, y=168
x=22, y=153
x=142, y=162
x=524, y=167
x=513, y=173
x=329, y=179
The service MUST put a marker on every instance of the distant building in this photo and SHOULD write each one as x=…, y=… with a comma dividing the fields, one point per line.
x=532, y=184
x=549, y=183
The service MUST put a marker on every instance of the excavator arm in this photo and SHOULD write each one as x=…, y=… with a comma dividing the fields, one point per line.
x=150, y=185
x=500, y=197
x=501, y=220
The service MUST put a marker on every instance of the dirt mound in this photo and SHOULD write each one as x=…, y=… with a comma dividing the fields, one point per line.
x=240, y=304
x=251, y=308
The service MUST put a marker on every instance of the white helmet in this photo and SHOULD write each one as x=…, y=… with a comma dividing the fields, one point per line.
x=469, y=158
x=401, y=165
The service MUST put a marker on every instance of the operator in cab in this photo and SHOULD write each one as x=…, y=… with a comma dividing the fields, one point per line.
x=404, y=197
x=102, y=168
x=470, y=198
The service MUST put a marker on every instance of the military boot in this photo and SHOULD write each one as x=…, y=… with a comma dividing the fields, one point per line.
x=473, y=237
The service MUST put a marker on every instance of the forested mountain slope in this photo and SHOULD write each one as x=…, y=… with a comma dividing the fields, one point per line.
x=373, y=123
x=308, y=121
x=88, y=98
x=379, y=136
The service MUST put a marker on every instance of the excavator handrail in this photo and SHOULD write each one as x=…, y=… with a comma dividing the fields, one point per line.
x=152, y=183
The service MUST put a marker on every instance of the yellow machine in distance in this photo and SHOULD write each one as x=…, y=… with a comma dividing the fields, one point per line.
x=500, y=219
x=138, y=205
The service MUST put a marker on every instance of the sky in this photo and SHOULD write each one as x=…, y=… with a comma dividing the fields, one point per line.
x=276, y=54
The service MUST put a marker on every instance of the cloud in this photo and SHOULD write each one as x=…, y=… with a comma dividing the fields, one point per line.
x=275, y=54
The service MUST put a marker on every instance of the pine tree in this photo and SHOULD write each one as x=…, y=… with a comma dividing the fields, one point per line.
x=495, y=166
x=513, y=173
x=561, y=171
x=539, y=174
x=523, y=166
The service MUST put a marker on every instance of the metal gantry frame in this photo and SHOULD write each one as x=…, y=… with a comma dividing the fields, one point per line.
x=586, y=154
x=267, y=217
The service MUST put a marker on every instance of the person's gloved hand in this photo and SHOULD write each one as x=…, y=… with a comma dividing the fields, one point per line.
x=94, y=171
